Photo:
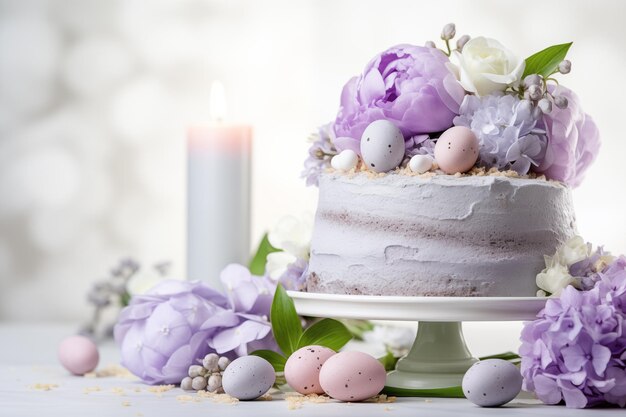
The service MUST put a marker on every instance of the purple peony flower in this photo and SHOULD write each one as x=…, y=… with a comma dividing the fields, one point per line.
x=408, y=85
x=250, y=300
x=176, y=323
x=507, y=131
x=321, y=152
x=573, y=140
x=576, y=350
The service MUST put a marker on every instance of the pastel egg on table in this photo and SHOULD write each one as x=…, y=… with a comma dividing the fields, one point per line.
x=302, y=370
x=456, y=150
x=382, y=146
x=352, y=376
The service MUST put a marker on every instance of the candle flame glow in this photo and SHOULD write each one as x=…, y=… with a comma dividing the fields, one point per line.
x=217, y=101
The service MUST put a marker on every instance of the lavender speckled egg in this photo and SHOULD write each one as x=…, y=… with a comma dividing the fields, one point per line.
x=352, y=376
x=248, y=377
x=382, y=146
x=492, y=382
x=302, y=370
x=456, y=150
x=78, y=354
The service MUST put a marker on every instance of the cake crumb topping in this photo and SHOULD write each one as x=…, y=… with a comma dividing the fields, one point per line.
x=361, y=168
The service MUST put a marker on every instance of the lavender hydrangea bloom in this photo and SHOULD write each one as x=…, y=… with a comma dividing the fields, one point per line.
x=586, y=271
x=321, y=152
x=167, y=329
x=573, y=140
x=507, y=131
x=163, y=331
x=408, y=85
x=294, y=278
x=576, y=350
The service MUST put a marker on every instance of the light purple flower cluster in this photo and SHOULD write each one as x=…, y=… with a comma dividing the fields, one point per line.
x=320, y=153
x=573, y=140
x=576, y=350
x=294, y=278
x=167, y=329
x=507, y=131
x=586, y=271
x=408, y=85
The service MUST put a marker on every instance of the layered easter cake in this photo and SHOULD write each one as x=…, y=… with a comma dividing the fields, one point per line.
x=447, y=172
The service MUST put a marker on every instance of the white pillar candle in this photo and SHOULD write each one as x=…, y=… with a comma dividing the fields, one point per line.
x=218, y=194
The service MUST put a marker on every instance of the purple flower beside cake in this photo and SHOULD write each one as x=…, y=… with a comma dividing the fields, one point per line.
x=447, y=172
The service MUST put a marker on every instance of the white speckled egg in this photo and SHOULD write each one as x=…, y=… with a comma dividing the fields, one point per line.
x=248, y=377
x=456, y=150
x=492, y=382
x=420, y=163
x=302, y=370
x=352, y=376
x=382, y=146
x=345, y=161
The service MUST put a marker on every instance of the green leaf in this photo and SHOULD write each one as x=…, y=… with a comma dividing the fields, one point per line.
x=326, y=332
x=258, y=261
x=507, y=356
x=449, y=392
x=357, y=327
x=547, y=61
x=276, y=359
x=286, y=324
x=389, y=361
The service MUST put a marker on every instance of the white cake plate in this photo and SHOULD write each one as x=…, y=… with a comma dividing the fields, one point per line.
x=439, y=356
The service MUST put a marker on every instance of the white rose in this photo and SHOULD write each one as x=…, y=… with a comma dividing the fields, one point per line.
x=293, y=235
x=485, y=66
x=277, y=263
x=574, y=250
x=555, y=278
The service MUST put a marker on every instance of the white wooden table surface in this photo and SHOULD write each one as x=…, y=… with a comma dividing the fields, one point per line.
x=28, y=358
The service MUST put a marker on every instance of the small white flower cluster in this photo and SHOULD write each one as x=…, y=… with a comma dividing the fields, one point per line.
x=556, y=276
x=207, y=376
x=293, y=236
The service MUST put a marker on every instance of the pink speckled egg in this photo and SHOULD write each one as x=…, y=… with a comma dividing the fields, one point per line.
x=302, y=370
x=352, y=376
x=78, y=354
x=456, y=150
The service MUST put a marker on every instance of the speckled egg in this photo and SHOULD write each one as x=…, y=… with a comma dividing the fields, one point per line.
x=248, y=377
x=382, y=146
x=492, y=382
x=456, y=150
x=352, y=376
x=78, y=354
x=302, y=370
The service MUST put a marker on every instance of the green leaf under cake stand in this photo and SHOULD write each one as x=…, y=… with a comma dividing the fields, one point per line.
x=439, y=357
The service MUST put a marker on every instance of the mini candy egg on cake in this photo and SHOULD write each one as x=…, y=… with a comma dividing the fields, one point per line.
x=382, y=146
x=345, y=161
x=456, y=150
x=78, y=354
x=248, y=377
x=302, y=370
x=352, y=376
x=492, y=382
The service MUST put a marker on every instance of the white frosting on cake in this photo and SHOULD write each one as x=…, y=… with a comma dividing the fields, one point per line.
x=439, y=236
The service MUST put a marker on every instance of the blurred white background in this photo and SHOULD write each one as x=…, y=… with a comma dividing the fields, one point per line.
x=96, y=95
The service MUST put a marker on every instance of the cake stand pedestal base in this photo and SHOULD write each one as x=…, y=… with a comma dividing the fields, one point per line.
x=438, y=359
x=439, y=356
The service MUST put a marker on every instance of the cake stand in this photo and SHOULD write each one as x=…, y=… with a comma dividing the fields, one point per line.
x=439, y=356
